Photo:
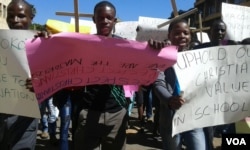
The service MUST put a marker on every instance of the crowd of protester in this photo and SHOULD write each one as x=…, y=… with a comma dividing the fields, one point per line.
x=99, y=114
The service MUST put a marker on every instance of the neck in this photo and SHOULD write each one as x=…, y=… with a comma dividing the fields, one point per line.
x=109, y=35
x=219, y=42
x=180, y=49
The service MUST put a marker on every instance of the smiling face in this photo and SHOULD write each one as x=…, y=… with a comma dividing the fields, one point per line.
x=19, y=15
x=179, y=35
x=104, y=18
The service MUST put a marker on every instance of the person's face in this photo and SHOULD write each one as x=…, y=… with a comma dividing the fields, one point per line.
x=104, y=18
x=18, y=16
x=218, y=32
x=180, y=35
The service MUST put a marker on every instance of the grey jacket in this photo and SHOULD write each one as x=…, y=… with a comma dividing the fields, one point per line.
x=163, y=89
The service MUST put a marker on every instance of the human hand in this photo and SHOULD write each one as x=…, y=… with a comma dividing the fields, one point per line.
x=43, y=33
x=157, y=44
x=176, y=102
x=29, y=85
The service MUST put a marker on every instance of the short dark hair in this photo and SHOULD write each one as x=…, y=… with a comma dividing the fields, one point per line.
x=104, y=3
x=218, y=21
x=32, y=7
x=176, y=22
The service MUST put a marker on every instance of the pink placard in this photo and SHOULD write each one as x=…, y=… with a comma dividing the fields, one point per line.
x=75, y=59
x=129, y=90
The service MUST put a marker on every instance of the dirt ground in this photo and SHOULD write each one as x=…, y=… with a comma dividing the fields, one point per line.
x=136, y=140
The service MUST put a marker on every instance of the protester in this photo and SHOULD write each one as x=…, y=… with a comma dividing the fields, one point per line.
x=49, y=115
x=156, y=124
x=217, y=34
x=107, y=115
x=18, y=132
x=68, y=102
x=167, y=89
x=148, y=102
x=144, y=104
x=140, y=108
x=131, y=101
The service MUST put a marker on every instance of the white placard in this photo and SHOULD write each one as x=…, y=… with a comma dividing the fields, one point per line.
x=216, y=85
x=237, y=19
x=14, y=97
x=126, y=29
x=148, y=29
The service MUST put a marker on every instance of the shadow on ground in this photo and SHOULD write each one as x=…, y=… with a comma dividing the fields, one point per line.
x=145, y=139
x=136, y=140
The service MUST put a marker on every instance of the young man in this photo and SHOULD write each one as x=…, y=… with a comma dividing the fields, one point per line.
x=167, y=90
x=107, y=115
x=18, y=132
x=217, y=34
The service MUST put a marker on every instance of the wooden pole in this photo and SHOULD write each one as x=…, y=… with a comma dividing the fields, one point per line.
x=200, y=25
x=76, y=16
x=203, y=29
x=178, y=17
x=72, y=14
x=174, y=8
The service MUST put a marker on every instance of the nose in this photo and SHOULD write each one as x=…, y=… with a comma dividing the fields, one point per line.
x=182, y=34
x=105, y=20
x=16, y=19
x=220, y=31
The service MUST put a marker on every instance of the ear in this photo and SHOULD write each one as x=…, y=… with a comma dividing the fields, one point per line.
x=115, y=20
x=93, y=18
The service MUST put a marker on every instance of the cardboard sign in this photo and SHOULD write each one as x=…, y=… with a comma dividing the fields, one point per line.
x=14, y=97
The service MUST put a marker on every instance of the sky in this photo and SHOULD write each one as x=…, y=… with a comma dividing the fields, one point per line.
x=127, y=10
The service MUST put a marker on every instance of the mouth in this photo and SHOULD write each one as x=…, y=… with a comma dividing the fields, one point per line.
x=183, y=43
x=105, y=28
x=220, y=38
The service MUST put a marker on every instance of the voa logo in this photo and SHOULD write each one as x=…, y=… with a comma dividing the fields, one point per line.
x=236, y=141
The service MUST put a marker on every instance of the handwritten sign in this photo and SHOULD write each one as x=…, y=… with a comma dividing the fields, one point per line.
x=237, y=19
x=129, y=90
x=73, y=59
x=126, y=29
x=216, y=85
x=14, y=97
x=147, y=28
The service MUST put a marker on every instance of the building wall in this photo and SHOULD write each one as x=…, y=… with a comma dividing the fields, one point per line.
x=211, y=9
x=3, y=13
